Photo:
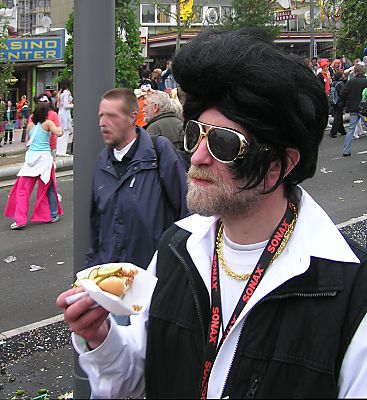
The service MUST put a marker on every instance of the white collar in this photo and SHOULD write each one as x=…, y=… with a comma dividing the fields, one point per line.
x=314, y=231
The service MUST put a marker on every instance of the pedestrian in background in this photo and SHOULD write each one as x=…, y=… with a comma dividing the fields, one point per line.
x=161, y=118
x=167, y=76
x=351, y=97
x=338, y=107
x=9, y=118
x=258, y=294
x=23, y=118
x=158, y=79
x=139, y=189
x=324, y=75
x=65, y=105
x=38, y=166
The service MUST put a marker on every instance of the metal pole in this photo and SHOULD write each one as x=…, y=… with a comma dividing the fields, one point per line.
x=179, y=27
x=94, y=74
x=312, y=29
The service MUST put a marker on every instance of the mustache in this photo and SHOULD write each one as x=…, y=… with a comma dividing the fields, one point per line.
x=201, y=173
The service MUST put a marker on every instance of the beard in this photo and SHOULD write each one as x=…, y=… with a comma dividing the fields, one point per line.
x=220, y=198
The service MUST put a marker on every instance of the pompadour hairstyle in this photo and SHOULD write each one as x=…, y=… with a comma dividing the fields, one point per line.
x=273, y=95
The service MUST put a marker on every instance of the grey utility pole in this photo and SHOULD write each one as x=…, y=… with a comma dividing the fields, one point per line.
x=94, y=74
x=312, y=29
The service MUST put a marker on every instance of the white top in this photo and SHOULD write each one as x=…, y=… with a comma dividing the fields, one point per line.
x=242, y=260
x=116, y=368
x=119, y=154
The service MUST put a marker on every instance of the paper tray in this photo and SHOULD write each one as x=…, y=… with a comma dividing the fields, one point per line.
x=139, y=294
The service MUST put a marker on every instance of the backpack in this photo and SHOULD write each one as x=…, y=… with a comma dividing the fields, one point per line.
x=333, y=95
x=185, y=157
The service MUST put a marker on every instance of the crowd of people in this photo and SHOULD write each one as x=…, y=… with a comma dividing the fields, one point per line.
x=345, y=84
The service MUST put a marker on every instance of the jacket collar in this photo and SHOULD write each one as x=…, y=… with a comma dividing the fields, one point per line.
x=315, y=235
x=168, y=114
x=144, y=152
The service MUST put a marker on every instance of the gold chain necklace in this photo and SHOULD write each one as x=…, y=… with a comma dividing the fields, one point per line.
x=244, y=277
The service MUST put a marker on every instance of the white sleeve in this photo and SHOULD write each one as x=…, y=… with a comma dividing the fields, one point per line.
x=353, y=372
x=115, y=369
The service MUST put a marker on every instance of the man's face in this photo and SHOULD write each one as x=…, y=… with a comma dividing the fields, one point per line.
x=150, y=109
x=314, y=62
x=114, y=121
x=212, y=189
x=9, y=104
x=169, y=65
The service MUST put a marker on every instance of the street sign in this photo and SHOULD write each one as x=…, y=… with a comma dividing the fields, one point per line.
x=32, y=49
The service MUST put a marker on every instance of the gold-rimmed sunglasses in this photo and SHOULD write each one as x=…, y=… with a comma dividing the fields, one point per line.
x=224, y=144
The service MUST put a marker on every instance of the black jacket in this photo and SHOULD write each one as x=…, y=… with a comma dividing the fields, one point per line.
x=291, y=345
x=352, y=93
x=130, y=212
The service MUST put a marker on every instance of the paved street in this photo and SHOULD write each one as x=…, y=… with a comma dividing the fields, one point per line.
x=340, y=186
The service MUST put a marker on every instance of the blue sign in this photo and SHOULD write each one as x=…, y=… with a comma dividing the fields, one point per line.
x=32, y=49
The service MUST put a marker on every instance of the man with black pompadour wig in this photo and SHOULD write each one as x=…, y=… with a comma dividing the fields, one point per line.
x=258, y=293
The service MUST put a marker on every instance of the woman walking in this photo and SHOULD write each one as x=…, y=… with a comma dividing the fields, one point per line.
x=39, y=167
x=65, y=105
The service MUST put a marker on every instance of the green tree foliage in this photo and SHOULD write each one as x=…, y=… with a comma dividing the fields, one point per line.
x=128, y=56
x=6, y=70
x=127, y=46
x=68, y=71
x=352, y=37
x=252, y=13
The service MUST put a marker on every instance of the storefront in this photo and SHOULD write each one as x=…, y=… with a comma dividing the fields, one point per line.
x=37, y=62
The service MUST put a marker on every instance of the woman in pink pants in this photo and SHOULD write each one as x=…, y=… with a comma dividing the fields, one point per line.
x=39, y=167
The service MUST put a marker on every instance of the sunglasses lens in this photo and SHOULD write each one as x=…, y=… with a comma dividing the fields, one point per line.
x=192, y=135
x=225, y=145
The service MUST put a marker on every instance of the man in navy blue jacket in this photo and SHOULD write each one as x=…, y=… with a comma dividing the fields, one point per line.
x=134, y=199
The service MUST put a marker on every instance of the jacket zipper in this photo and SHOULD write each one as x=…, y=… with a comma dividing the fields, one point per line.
x=270, y=298
x=194, y=294
x=254, y=385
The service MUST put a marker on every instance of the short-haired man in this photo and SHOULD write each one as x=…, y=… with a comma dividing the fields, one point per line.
x=134, y=199
x=161, y=119
x=351, y=97
x=258, y=294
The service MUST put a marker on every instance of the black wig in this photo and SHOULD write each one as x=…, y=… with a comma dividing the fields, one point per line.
x=273, y=95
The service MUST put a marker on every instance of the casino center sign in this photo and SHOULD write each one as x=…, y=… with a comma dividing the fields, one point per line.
x=32, y=49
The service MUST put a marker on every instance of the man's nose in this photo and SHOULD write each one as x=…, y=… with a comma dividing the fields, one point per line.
x=201, y=156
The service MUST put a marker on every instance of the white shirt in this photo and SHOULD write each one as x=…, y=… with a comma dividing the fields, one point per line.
x=119, y=154
x=242, y=260
x=116, y=368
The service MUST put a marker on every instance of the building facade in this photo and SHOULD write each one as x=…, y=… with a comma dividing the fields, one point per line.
x=159, y=26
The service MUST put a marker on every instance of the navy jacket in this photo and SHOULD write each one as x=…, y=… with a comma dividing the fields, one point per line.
x=129, y=214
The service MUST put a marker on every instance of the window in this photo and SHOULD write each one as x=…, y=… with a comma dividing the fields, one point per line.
x=226, y=11
x=147, y=14
x=163, y=16
x=198, y=15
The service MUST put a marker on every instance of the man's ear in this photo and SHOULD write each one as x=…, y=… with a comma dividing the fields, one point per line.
x=293, y=157
x=133, y=117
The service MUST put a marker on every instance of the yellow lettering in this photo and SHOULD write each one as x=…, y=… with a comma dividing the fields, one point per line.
x=14, y=56
x=26, y=54
x=51, y=44
x=50, y=54
x=38, y=55
x=36, y=45
x=16, y=46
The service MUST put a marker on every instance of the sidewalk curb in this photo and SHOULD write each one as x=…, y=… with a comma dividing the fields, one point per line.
x=11, y=171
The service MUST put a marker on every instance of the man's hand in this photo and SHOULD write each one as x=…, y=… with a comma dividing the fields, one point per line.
x=88, y=323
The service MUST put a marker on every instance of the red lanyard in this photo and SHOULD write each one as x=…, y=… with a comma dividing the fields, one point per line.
x=213, y=347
